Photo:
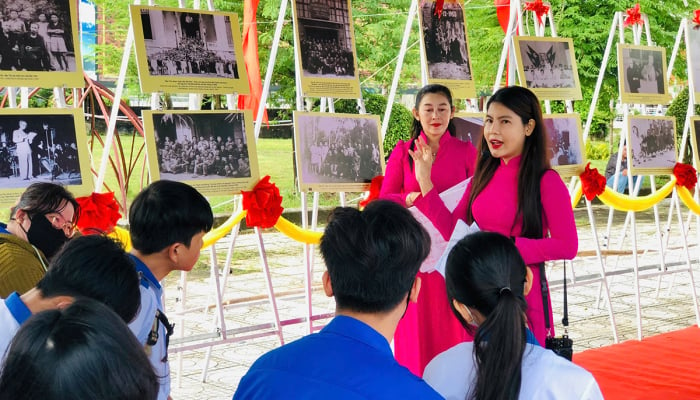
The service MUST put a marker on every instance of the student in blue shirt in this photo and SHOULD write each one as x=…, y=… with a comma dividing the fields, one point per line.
x=487, y=281
x=94, y=266
x=167, y=223
x=372, y=259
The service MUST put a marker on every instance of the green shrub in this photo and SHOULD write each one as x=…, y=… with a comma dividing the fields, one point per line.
x=601, y=123
x=597, y=150
x=678, y=109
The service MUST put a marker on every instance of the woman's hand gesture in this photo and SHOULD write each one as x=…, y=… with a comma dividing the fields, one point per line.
x=423, y=159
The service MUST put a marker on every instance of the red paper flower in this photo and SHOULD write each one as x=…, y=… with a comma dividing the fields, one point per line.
x=633, y=16
x=592, y=182
x=438, y=7
x=685, y=175
x=99, y=213
x=696, y=19
x=538, y=8
x=374, y=189
x=263, y=203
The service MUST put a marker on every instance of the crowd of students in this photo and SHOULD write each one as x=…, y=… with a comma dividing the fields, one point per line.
x=67, y=335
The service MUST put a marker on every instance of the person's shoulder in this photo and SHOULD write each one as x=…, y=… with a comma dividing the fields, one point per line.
x=142, y=323
x=455, y=361
x=550, y=178
x=543, y=365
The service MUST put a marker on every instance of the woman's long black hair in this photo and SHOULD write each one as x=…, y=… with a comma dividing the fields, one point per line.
x=485, y=272
x=533, y=163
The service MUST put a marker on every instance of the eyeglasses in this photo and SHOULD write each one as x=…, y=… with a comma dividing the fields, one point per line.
x=58, y=221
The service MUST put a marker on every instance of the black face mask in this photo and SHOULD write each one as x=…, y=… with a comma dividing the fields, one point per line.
x=44, y=236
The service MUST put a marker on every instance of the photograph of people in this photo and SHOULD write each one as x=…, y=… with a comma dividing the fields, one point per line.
x=189, y=44
x=653, y=144
x=642, y=72
x=39, y=148
x=445, y=41
x=30, y=41
x=326, y=43
x=338, y=148
x=547, y=64
x=564, y=147
x=201, y=146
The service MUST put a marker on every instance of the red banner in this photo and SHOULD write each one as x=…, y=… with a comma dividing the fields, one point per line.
x=252, y=64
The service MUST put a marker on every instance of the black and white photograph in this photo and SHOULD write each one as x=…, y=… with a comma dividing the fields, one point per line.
x=693, y=47
x=652, y=145
x=337, y=152
x=695, y=137
x=447, y=47
x=42, y=145
x=39, y=39
x=326, y=48
x=547, y=66
x=201, y=147
x=187, y=44
x=565, y=149
x=469, y=127
x=642, y=71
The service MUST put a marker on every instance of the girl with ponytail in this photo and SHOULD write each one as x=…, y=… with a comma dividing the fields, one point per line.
x=487, y=281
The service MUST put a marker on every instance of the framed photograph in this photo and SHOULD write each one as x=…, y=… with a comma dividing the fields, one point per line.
x=651, y=145
x=470, y=127
x=446, y=47
x=642, y=71
x=693, y=49
x=326, y=51
x=188, y=51
x=43, y=145
x=565, y=148
x=213, y=151
x=547, y=66
x=337, y=152
x=694, y=134
x=39, y=45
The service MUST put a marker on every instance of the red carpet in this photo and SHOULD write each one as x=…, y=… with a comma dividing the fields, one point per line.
x=665, y=367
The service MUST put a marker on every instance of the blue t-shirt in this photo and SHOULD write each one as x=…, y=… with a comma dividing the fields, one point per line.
x=346, y=360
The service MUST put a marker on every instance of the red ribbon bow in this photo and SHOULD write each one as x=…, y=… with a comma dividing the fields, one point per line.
x=685, y=175
x=592, y=182
x=633, y=16
x=438, y=7
x=538, y=8
x=263, y=203
x=696, y=19
x=374, y=189
x=99, y=213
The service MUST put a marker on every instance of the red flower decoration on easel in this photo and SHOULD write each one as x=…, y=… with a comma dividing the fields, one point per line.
x=696, y=19
x=99, y=213
x=633, y=16
x=374, y=189
x=592, y=182
x=685, y=175
x=263, y=204
x=438, y=7
x=539, y=8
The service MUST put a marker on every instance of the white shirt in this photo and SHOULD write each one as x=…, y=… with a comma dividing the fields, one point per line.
x=141, y=326
x=545, y=375
x=9, y=325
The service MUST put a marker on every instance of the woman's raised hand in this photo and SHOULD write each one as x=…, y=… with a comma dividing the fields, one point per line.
x=423, y=158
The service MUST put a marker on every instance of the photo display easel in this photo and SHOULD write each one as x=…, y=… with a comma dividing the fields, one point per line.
x=540, y=52
x=628, y=91
x=203, y=32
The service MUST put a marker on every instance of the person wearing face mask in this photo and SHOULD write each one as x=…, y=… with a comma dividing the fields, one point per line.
x=40, y=223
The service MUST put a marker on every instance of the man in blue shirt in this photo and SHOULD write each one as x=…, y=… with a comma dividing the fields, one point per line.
x=372, y=259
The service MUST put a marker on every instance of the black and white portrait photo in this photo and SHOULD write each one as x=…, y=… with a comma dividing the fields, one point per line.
x=445, y=40
x=38, y=148
x=337, y=152
x=564, y=142
x=470, y=127
x=547, y=66
x=652, y=144
x=37, y=36
x=191, y=51
x=642, y=71
x=189, y=44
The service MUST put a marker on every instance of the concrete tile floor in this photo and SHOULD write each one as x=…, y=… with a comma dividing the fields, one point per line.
x=246, y=303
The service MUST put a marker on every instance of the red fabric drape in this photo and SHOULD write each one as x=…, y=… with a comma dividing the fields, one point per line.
x=252, y=64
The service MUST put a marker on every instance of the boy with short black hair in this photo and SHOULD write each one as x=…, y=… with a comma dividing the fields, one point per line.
x=167, y=223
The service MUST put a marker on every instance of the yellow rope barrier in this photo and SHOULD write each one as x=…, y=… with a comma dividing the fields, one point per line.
x=687, y=199
x=300, y=235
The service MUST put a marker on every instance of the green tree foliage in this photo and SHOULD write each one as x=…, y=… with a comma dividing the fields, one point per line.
x=679, y=110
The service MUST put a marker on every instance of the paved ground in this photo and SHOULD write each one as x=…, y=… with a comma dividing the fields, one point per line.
x=246, y=304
